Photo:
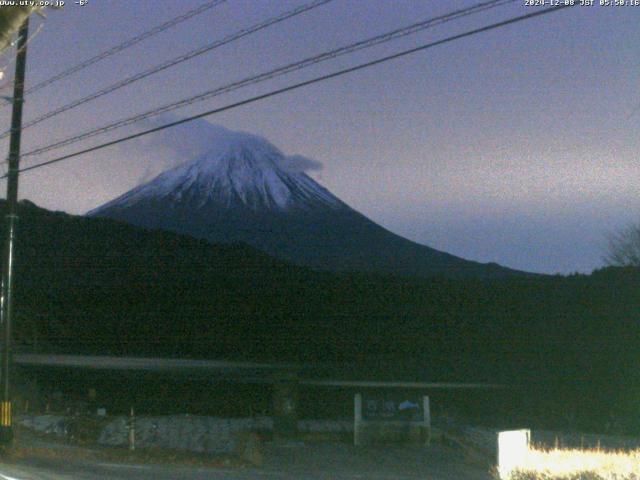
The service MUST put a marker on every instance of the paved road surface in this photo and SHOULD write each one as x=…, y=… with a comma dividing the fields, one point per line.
x=282, y=462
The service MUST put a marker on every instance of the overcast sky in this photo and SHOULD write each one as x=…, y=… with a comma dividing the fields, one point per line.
x=518, y=146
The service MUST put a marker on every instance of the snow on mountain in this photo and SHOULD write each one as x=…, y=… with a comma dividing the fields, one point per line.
x=242, y=170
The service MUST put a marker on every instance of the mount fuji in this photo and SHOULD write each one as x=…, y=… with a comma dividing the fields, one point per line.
x=244, y=189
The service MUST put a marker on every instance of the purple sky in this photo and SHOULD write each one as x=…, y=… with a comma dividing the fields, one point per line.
x=518, y=146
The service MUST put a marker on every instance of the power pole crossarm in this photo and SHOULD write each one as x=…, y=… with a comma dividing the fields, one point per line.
x=11, y=18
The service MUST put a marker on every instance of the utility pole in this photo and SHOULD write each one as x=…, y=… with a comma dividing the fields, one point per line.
x=6, y=313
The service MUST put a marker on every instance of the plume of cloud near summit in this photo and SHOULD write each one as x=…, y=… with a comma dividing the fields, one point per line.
x=184, y=142
x=187, y=140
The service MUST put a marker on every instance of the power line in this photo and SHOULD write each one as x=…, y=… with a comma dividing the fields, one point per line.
x=175, y=61
x=301, y=84
x=129, y=43
x=307, y=62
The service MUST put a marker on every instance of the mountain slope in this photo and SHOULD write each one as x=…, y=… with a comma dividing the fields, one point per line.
x=243, y=190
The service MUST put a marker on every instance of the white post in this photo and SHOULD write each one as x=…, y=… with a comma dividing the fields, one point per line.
x=357, y=418
x=132, y=430
x=426, y=409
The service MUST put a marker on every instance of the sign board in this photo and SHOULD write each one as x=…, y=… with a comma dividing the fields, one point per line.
x=391, y=416
x=389, y=408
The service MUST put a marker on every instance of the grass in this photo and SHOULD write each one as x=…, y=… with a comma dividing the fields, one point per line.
x=560, y=464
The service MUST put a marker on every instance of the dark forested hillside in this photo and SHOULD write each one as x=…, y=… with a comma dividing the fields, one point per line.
x=91, y=285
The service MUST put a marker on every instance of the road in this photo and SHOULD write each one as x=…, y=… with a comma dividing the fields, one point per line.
x=282, y=462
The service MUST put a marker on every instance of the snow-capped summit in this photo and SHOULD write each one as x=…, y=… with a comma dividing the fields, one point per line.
x=245, y=189
x=242, y=171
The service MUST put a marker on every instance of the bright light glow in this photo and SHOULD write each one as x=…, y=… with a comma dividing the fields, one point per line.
x=513, y=447
x=570, y=464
